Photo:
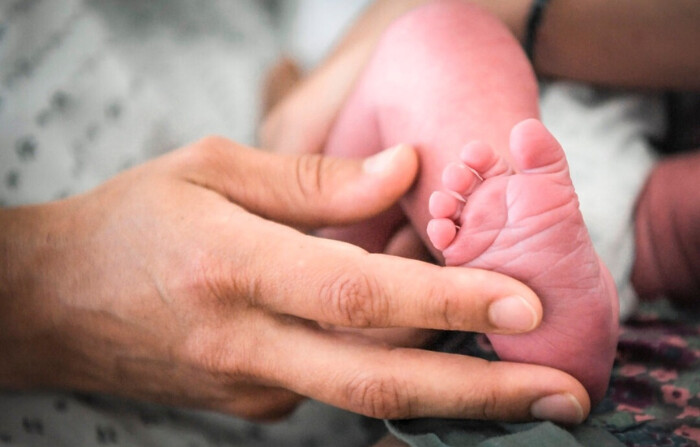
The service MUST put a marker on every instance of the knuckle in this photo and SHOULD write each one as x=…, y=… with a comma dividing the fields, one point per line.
x=448, y=310
x=204, y=153
x=308, y=176
x=377, y=396
x=355, y=299
x=209, y=149
x=489, y=404
x=212, y=143
x=216, y=284
x=202, y=279
x=192, y=280
x=225, y=356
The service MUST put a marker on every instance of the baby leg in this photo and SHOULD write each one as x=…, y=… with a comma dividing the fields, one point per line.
x=357, y=135
x=446, y=74
x=442, y=75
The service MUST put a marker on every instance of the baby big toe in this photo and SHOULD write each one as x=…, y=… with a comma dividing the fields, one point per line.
x=536, y=150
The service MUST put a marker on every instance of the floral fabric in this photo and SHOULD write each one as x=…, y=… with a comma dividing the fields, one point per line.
x=653, y=399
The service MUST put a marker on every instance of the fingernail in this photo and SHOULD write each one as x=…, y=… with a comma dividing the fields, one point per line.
x=563, y=408
x=381, y=162
x=513, y=313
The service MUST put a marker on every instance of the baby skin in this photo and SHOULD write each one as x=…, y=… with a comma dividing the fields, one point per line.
x=523, y=220
x=448, y=74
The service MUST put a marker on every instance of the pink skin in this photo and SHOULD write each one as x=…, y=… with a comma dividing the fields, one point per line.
x=668, y=231
x=525, y=222
x=447, y=74
x=416, y=90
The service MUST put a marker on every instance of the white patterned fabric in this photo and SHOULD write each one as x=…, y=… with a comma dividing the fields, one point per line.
x=89, y=88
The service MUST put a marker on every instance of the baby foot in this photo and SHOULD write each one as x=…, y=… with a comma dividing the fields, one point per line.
x=524, y=221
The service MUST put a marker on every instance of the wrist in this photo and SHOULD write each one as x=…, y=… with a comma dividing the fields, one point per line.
x=27, y=296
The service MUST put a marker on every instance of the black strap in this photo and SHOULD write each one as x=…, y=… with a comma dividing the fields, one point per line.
x=533, y=24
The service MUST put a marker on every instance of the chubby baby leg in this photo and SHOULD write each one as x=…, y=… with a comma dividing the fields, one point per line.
x=443, y=74
x=447, y=74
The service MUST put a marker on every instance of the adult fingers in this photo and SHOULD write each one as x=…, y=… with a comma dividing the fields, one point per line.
x=279, y=81
x=300, y=123
x=302, y=190
x=403, y=337
x=337, y=283
x=394, y=383
x=258, y=403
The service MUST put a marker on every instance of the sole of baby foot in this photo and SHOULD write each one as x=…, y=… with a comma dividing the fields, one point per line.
x=524, y=221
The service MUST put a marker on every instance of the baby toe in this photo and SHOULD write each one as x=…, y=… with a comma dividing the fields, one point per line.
x=535, y=150
x=458, y=178
x=441, y=232
x=443, y=205
x=481, y=157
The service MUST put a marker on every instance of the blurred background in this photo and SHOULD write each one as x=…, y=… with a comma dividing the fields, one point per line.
x=79, y=79
x=90, y=88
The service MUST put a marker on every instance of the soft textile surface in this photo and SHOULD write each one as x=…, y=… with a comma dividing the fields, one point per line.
x=90, y=88
x=654, y=397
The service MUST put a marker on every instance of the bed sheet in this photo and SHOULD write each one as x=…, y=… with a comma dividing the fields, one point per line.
x=653, y=399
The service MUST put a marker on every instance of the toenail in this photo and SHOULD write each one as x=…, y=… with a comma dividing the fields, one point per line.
x=513, y=313
x=381, y=162
x=563, y=408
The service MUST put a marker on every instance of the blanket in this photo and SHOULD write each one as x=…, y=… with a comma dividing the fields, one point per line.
x=653, y=399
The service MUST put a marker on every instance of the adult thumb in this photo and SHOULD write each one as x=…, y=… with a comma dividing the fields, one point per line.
x=311, y=190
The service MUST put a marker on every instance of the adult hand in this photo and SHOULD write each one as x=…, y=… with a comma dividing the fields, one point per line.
x=177, y=282
x=301, y=113
x=300, y=120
